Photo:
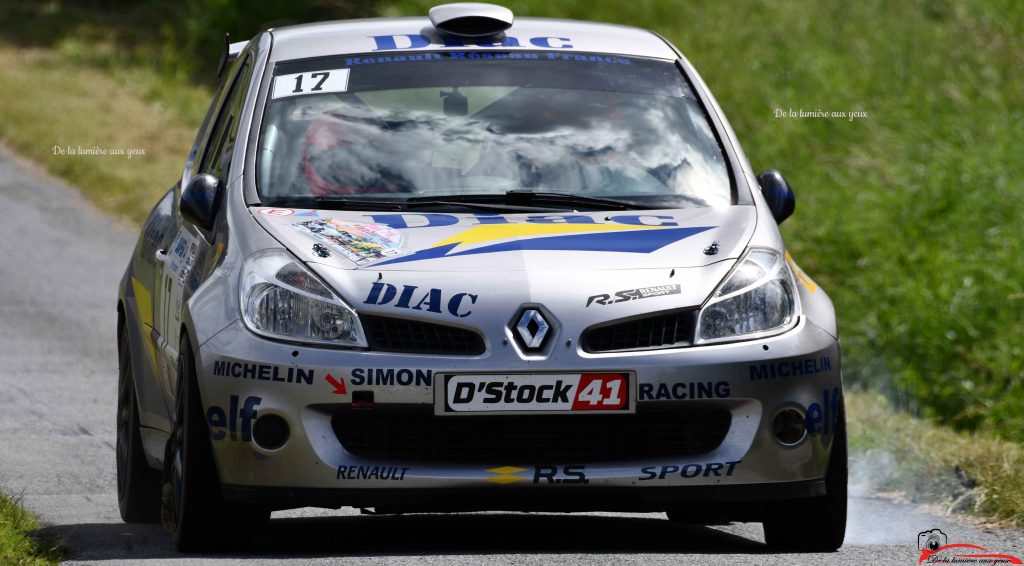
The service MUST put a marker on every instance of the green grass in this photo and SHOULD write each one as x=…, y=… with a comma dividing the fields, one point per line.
x=17, y=546
x=95, y=109
x=79, y=76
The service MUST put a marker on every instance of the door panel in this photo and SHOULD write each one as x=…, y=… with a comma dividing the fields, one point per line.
x=189, y=247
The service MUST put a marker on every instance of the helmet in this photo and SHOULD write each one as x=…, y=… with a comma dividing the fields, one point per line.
x=325, y=139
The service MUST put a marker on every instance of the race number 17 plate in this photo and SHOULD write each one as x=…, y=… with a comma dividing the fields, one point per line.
x=534, y=393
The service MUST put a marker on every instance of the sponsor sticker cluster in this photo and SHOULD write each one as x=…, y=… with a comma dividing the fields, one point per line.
x=361, y=243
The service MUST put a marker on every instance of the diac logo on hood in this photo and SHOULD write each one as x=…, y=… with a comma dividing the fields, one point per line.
x=485, y=239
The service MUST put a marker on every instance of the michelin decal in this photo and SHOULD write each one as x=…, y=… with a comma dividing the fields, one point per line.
x=263, y=372
x=794, y=368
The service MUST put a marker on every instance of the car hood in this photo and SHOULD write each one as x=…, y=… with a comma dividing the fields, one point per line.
x=511, y=242
x=453, y=264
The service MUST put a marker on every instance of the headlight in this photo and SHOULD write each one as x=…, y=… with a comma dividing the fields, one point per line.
x=756, y=299
x=282, y=299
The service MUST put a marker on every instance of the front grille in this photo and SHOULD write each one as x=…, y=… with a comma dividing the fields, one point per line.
x=394, y=432
x=671, y=330
x=386, y=334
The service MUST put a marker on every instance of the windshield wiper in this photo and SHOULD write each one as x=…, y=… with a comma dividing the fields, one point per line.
x=340, y=203
x=348, y=203
x=518, y=196
x=516, y=200
x=488, y=202
x=529, y=201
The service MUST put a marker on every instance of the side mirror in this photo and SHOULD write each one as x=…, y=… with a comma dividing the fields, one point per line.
x=199, y=200
x=777, y=194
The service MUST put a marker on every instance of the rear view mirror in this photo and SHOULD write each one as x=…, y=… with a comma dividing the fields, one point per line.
x=777, y=193
x=199, y=200
x=455, y=103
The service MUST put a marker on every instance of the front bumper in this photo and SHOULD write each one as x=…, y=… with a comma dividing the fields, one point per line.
x=244, y=377
x=703, y=504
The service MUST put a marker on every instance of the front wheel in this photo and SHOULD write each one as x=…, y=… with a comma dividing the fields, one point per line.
x=138, y=485
x=191, y=505
x=817, y=524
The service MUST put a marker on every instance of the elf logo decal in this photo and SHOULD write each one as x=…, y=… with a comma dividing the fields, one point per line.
x=486, y=239
x=236, y=422
x=541, y=474
x=430, y=300
x=822, y=418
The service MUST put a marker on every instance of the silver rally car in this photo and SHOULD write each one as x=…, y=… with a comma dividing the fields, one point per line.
x=458, y=263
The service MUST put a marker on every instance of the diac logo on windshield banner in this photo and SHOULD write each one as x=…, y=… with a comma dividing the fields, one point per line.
x=485, y=239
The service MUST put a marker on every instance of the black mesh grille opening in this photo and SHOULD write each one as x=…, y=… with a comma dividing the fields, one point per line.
x=419, y=435
x=671, y=330
x=386, y=334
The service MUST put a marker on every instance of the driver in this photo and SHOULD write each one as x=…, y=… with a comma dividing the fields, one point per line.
x=334, y=160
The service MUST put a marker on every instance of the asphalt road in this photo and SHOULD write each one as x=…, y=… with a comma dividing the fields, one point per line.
x=60, y=260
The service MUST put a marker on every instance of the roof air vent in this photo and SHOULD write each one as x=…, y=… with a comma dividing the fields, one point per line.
x=471, y=19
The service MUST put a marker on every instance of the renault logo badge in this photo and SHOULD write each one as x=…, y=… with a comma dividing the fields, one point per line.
x=532, y=329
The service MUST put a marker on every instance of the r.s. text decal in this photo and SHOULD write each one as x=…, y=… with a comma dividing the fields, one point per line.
x=632, y=294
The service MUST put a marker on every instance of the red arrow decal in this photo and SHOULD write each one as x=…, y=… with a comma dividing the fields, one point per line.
x=338, y=384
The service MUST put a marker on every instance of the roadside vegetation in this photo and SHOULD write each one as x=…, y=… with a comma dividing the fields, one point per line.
x=17, y=545
x=909, y=212
x=962, y=472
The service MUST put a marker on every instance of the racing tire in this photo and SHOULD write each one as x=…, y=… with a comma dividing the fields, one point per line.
x=138, y=485
x=817, y=524
x=192, y=508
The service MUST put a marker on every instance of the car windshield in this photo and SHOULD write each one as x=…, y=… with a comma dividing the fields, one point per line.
x=477, y=126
